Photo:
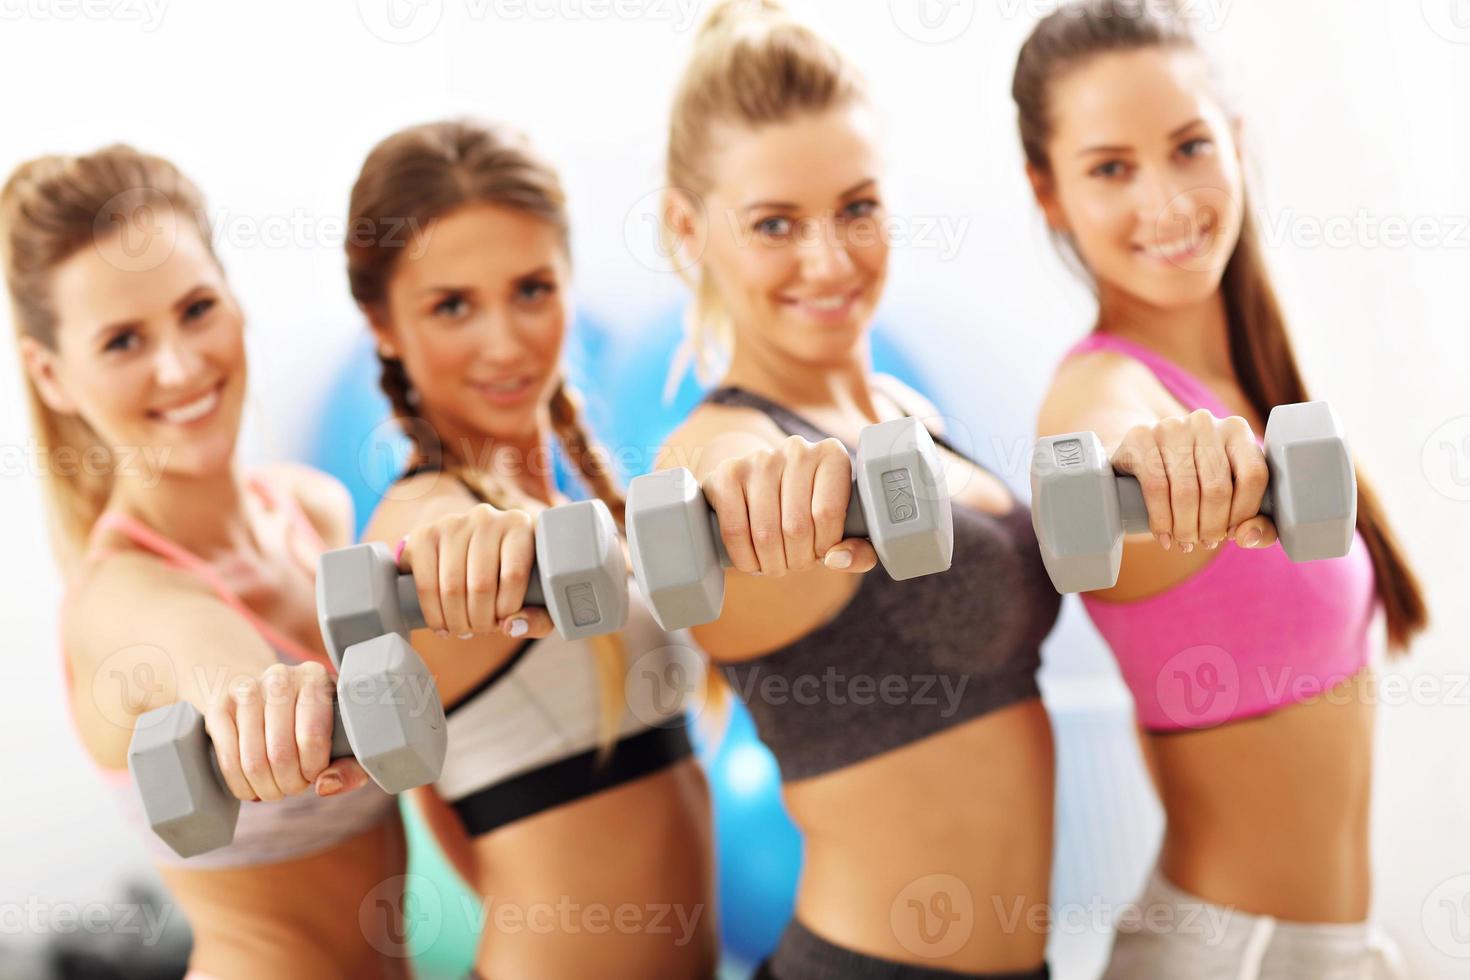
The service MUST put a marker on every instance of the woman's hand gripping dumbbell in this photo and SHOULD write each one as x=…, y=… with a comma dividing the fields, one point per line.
x=279, y=734
x=1194, y=480
x=775, y=511
x=386, y=720
x=479, y=572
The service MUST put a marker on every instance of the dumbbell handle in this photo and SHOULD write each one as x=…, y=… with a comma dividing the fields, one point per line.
x=413, y=613
x=1134, y=512
x=854, y=526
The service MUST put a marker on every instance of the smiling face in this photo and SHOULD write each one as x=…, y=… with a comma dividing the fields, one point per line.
x=1145, y=174
x=792, y=233
x=477, y=309
x=149, y=349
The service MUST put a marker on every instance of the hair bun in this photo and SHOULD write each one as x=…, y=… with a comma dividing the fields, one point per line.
x=727, y=15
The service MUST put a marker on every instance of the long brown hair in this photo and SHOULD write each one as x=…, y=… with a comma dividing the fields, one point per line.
x=1260, y=347
x=421, y=174
x=50, y=209
x=413, y=178
x=753, y=64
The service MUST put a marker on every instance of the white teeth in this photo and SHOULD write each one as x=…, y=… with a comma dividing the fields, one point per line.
x=828, y=303
x=1177, y=249
x=505, y=387
x=193, y=411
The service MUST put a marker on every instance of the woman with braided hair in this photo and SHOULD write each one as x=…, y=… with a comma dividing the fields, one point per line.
x=554, y=792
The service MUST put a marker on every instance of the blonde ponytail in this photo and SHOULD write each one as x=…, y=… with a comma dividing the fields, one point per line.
x=753, y=64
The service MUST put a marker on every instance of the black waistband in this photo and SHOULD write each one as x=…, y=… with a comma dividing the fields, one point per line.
x=803, y=955
x=573, y=778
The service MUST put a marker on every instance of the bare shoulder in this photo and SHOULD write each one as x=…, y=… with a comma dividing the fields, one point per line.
x=1102, y=391
x=322, y=497
x=136, y=633
x=910, y=400
x=714, y=433
x=410, y=504
x=125, y=580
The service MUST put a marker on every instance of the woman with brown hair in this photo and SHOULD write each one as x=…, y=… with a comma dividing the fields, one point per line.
x=569, y=780
x=1250, y=673
x=185, y=578
x=927, y=825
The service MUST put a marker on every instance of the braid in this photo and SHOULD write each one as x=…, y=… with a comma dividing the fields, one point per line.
x=393, y=379
x=566, y=421
x=610, y=651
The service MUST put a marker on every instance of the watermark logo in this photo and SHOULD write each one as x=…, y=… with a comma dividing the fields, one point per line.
x=933, y=916
x=1445, y=916
x=137, y=230
x=130, y=679
x=666, y=683
x=400, y=21
x=1450, y=19
x=1187, y=233
x=648, y=232
x=932, y=21
x=147, y=14
x=1198, y=686
x=383, y=453
x=1446, y=459
x=401, y=915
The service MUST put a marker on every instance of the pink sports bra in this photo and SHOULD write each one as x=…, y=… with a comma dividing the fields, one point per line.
x=1250, y=632
x=266, y=832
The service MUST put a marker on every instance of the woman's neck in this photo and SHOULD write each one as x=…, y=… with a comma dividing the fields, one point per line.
x=1197, y=337
x=203, y=514
x=842, y=386
x=518, y=460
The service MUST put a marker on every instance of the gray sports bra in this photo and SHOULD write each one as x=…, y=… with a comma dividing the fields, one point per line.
x=903, y=660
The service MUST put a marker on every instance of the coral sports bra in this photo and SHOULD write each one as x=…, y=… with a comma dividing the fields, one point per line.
x=1250, y=632
x=266, y=832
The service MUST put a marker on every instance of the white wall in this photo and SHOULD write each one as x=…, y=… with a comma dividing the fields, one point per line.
x=1358, y=120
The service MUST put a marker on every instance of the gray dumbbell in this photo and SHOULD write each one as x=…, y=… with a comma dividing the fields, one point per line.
x=579, y=575
x=1081, y=509
x=898, y=502
x=387, y=715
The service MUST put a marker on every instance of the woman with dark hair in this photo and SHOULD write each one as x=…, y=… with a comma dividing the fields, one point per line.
x=569, y=792
x=1250, y=673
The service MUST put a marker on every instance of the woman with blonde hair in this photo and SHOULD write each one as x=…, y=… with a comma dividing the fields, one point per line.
x=927, y=821
x=187, y=579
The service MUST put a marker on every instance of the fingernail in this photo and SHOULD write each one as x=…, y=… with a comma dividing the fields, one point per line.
x=329, y=785
x=1187, y=547
x=1252, y=537
x=518, y=627
x=838, y=559
x=1166, y=541
x=1212, y=545
x=466, y=636
x=442, y=634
